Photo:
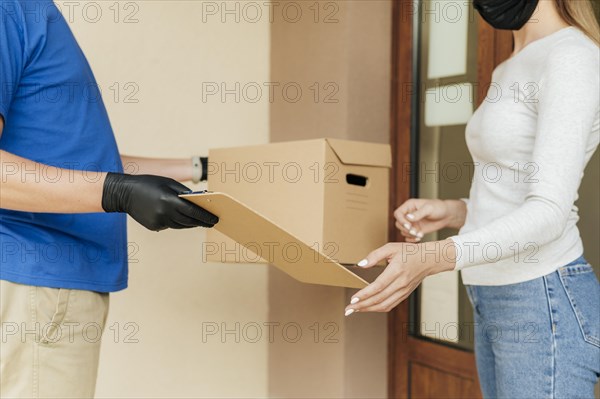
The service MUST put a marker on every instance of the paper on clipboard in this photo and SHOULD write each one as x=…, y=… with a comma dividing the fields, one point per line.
x=280, y=248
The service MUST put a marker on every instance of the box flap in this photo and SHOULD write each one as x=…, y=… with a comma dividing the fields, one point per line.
x=361, y=153
x=271, y=242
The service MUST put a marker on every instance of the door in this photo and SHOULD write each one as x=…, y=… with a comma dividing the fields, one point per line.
x=442, y=59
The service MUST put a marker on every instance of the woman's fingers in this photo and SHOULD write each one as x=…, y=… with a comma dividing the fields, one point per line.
x=390, y=303
x=400, y=213
x=404, y=228
x=369, y=299
x=408, y=216
x=420, y=213
x=412, y=233
x=410, y=237
x=384, y=252
x=380, y=285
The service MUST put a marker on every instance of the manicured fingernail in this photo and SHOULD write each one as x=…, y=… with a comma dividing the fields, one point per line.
x=410, y=216
x=354, y=300
x=420, y=235
x=349, y=312
x=413, y=232
x=417, y=239
x=363, y=263
x=406, y=226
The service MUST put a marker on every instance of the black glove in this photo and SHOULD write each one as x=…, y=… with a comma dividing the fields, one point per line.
x=153, y=202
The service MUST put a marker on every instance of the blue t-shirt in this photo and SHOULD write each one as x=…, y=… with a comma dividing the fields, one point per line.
x=53, y=114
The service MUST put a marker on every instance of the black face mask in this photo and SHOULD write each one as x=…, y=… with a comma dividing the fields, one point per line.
x=506, y=14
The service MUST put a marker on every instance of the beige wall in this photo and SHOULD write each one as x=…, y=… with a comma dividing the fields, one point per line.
x=352, y=56
x=173, y=296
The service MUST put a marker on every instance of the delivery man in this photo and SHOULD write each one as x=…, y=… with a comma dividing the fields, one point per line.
x=63, y=200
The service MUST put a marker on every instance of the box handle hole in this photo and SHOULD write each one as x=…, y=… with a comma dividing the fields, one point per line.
x=356, y=180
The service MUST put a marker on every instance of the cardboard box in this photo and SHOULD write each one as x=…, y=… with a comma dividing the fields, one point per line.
x=332, y=194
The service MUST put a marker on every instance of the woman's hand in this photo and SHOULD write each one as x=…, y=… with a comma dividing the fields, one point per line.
x=417, y=217
x=408, y=265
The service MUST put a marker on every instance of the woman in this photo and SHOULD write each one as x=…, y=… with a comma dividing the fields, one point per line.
x=518, y=247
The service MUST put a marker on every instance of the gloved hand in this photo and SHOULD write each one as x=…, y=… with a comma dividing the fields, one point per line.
x=153, y=202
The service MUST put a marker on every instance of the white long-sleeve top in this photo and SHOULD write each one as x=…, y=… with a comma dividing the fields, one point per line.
x=530, y=141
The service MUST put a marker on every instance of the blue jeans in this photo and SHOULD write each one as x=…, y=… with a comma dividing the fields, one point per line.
x=539, y=338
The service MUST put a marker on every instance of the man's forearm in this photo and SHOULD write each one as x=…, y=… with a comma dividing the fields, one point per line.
x=176, y=169
x=33, y=187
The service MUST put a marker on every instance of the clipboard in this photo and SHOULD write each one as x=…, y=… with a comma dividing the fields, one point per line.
x=257, y=233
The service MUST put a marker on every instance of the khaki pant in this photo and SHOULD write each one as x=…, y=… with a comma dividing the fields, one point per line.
x=50, y=341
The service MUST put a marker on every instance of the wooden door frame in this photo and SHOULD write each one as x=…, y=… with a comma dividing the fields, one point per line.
x=400, y=187
x=403, y=348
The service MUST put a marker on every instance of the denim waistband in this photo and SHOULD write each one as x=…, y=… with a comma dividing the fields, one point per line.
x=578, y=261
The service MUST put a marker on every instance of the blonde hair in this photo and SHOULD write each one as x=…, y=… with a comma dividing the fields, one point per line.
x=580, y=13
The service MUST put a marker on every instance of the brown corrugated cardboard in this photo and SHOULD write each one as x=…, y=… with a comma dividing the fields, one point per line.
x=280, y=248
x=332, y=194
